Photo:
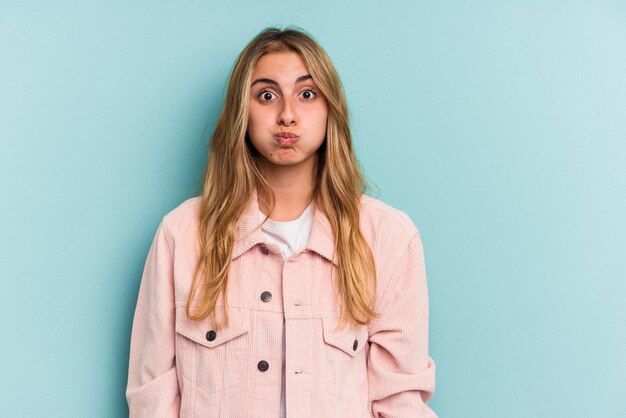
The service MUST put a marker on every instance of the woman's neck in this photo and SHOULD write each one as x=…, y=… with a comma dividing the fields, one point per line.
x=293, y=188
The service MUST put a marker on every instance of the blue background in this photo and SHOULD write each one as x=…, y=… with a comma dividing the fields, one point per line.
x=498, y=126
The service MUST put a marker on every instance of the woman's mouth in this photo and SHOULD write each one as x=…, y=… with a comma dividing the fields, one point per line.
x=286, y=138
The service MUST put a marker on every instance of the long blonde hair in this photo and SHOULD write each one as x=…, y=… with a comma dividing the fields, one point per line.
x=232, y=175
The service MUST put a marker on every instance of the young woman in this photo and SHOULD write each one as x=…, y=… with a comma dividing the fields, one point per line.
x=283, y=290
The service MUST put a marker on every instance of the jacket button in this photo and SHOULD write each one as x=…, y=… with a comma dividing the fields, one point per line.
x=211, y=335
x=266, y=296
x=263, y=365
x=355, y=345
x=265, y=250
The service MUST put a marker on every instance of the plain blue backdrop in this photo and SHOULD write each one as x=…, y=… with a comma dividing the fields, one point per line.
x=498, y=126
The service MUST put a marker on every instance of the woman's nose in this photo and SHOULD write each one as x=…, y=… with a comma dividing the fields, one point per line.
x=286, y=115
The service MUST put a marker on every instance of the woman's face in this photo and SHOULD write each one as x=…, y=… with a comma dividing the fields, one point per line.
x=287, y=112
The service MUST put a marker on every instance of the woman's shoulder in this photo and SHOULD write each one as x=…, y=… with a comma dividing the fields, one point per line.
x=185, y=213
x=389, y=232
x=385, y=219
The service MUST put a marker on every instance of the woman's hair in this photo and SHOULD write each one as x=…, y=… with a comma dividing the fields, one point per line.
x=232, y=175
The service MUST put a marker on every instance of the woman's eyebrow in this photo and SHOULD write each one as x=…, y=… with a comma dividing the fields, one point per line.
x=270, y=81
x=303, y=78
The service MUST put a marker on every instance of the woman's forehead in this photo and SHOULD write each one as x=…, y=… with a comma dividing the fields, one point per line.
x=288, y=66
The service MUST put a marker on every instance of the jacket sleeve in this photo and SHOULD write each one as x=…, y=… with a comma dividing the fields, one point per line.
x=152, y=390
x=401, y=374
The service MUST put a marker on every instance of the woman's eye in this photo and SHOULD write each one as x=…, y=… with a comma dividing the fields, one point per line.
x=266, y=96
x=308, y=94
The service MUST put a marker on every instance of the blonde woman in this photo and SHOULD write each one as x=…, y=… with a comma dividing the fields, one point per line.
x=283, y=290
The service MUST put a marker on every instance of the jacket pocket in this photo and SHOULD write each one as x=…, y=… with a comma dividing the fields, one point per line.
x=345, y=363
x=211, y=359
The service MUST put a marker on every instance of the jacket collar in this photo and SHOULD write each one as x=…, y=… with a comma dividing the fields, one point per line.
x=248, y=232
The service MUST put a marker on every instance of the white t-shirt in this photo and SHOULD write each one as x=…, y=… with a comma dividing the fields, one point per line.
x=290, y=237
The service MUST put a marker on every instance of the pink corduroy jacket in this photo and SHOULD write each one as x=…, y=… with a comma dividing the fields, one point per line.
x=184, y=368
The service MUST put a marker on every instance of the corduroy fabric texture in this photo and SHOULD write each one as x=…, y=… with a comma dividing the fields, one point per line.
x=178, y=368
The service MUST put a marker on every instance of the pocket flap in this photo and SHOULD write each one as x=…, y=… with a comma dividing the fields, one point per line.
x=198, y=331
x=349, y=340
